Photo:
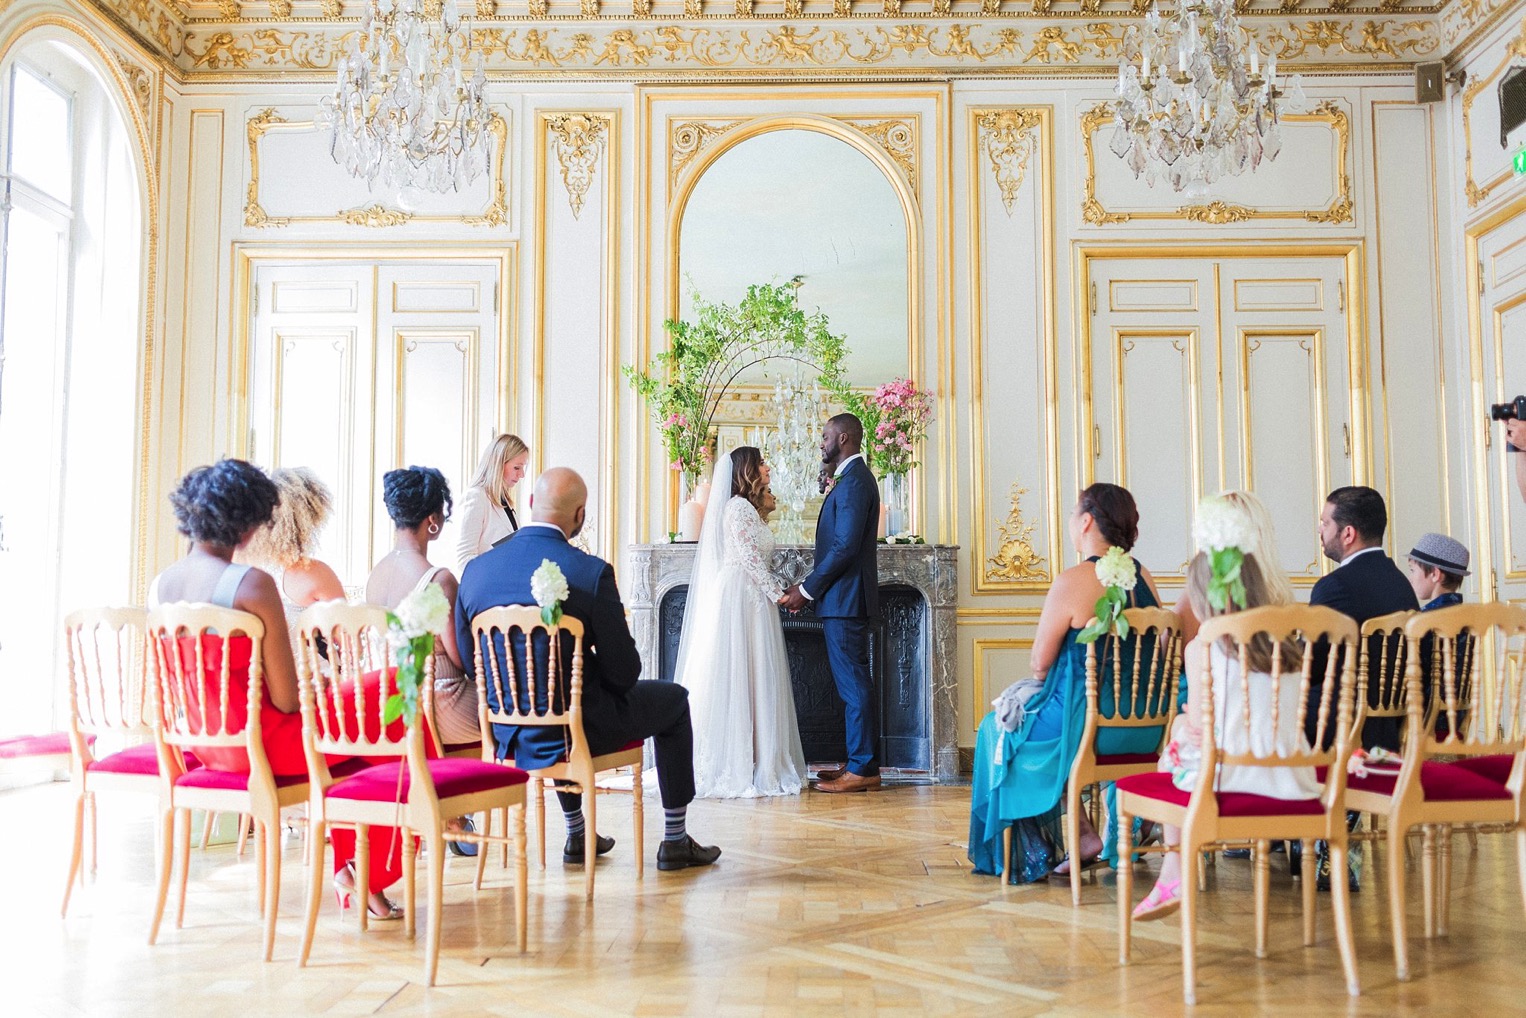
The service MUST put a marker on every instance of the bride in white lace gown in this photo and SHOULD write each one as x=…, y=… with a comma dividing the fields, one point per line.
x=731, y=655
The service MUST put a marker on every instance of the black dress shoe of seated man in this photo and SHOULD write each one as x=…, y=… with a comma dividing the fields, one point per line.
x=572, y=852
x=680, y=855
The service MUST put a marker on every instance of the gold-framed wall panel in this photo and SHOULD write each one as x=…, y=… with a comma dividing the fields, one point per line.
x=648, y=224
x=247, y=256
x=1318, y=396
x=612, y=166
x=469, y=403
x=979, y=646
x=1476, y=194
x=1505, y=470
x=1351, y=252
x=1191, y=355
x=1341, y=209
x=93, y=39
x=978, y=193
x=375, y=215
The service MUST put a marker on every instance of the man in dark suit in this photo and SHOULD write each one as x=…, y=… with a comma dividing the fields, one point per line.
x=1365, y=584
x=617, y=709
x=845, y=587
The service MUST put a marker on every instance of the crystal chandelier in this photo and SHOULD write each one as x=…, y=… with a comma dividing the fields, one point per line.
x=1194, y=101
x=404, y=109
x=793, y=454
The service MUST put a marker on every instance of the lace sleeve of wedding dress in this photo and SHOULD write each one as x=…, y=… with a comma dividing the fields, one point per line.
x=744, y=531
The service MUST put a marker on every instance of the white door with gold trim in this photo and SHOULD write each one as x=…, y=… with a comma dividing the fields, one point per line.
x=357, y=368
x=1501, y=514
x=1214, y=373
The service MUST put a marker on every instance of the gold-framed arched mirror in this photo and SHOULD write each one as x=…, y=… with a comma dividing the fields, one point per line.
x=780, y=197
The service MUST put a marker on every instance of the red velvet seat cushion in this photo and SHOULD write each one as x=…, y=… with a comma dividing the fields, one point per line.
x=21, y=746
x=1121, y=759
x=1442, y=782
x=452, y=777
x=230, y=781
x=1231, y=804
x=1495, y=768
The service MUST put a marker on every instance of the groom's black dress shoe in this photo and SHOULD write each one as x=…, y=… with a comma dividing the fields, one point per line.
x=680, y=855
x=572, y=852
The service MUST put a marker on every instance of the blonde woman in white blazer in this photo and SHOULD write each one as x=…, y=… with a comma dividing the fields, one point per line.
x=486, y=512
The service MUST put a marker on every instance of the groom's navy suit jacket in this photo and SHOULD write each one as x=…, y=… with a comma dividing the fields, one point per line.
x=611, y=664
x=844, y=582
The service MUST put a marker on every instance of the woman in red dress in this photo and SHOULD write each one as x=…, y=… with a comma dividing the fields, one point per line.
x=219, y=507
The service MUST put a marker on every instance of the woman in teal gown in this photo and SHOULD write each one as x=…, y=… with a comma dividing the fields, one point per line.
x=1021, y=775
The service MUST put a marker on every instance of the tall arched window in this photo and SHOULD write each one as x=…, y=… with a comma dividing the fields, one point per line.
x=70, y=286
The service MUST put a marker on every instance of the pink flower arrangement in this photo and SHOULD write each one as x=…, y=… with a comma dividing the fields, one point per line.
x=904, y=413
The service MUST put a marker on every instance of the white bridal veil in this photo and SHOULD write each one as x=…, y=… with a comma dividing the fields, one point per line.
x=702, y=612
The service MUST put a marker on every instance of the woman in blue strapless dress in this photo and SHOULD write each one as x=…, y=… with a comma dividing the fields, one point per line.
x=1021, y=775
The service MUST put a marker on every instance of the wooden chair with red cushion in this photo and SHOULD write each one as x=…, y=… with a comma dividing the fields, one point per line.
x=201, y=655
x=1464, y=755
x=1145, y=687
x=1206, y=815
x=405, y=781
x=554, y=699
x=105, y=655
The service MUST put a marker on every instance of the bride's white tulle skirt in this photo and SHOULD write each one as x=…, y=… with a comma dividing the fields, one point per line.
x=746, y=738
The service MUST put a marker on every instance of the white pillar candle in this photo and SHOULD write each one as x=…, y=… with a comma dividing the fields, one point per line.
x=1255, y=62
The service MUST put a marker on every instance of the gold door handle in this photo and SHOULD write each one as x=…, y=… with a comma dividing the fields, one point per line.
x=1346, y=434
x=1096, y=442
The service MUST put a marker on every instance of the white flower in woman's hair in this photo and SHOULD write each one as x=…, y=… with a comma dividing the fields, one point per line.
x=423, y=611
x=1221, y=524
x=1116, y=569
x=548, y=585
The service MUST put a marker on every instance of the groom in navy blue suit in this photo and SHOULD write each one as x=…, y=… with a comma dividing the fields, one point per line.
x=845, y=586
x=617, y=709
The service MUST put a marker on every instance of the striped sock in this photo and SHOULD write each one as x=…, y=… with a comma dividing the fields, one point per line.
x=574, y=819
x=673, y=828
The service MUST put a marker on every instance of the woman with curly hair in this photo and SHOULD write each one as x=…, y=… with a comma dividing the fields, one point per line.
x=732, y=657
x=487, y=506
x=220, y=507
x=284, y=547
x=418, y=501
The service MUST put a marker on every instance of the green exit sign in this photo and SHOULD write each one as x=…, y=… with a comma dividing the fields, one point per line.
x=1519, y=162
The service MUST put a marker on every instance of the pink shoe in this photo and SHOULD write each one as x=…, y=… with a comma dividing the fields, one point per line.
x=1164, y=898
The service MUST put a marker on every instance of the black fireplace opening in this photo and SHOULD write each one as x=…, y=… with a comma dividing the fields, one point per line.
x=899, y=650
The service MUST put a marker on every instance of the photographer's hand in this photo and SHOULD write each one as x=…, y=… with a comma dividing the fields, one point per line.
x=1515, y=434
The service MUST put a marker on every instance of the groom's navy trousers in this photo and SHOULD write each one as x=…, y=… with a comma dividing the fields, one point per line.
x=844, y=584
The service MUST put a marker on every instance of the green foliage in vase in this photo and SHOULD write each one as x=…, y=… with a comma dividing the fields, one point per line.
x=709, y=352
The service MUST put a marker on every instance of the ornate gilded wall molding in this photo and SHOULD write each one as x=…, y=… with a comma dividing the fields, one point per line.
x=496, y=213
x=1340, y=210
x=140, y=81
x=1007, y=138
x=578, y=139
x=896, y=136
x=1475, y=193
x=1015, y=560
x=811, y=47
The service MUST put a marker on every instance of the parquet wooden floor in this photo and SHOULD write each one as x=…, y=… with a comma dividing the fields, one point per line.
x=821, y=905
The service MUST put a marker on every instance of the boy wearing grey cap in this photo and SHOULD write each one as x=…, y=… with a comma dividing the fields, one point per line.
x=1437, y=565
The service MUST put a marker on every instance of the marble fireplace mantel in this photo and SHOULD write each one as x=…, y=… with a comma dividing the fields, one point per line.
x=931, y=570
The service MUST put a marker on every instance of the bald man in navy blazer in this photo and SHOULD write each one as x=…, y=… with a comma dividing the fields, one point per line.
x=844, y=585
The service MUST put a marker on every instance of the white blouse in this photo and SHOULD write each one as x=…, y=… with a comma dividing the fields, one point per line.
x=482, y=524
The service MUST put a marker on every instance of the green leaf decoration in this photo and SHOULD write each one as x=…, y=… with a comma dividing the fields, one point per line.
x=551, y=615
x=393, y=709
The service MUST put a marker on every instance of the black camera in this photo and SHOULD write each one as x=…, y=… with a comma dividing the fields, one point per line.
x=1515, y=410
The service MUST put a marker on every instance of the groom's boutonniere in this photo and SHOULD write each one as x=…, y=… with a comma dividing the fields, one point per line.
x=1116, y=573
x=549, y=588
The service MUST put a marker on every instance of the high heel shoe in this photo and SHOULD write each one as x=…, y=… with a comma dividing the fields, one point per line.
x=344, y=886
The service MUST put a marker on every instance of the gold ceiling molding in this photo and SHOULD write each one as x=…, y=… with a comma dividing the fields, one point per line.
x=1477, y=194
x=578, y=140
x=1016, y=561
x=870, y=40
x=896, y=136
x=1340, y=209
x=375, y=215
x=1008, y=140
